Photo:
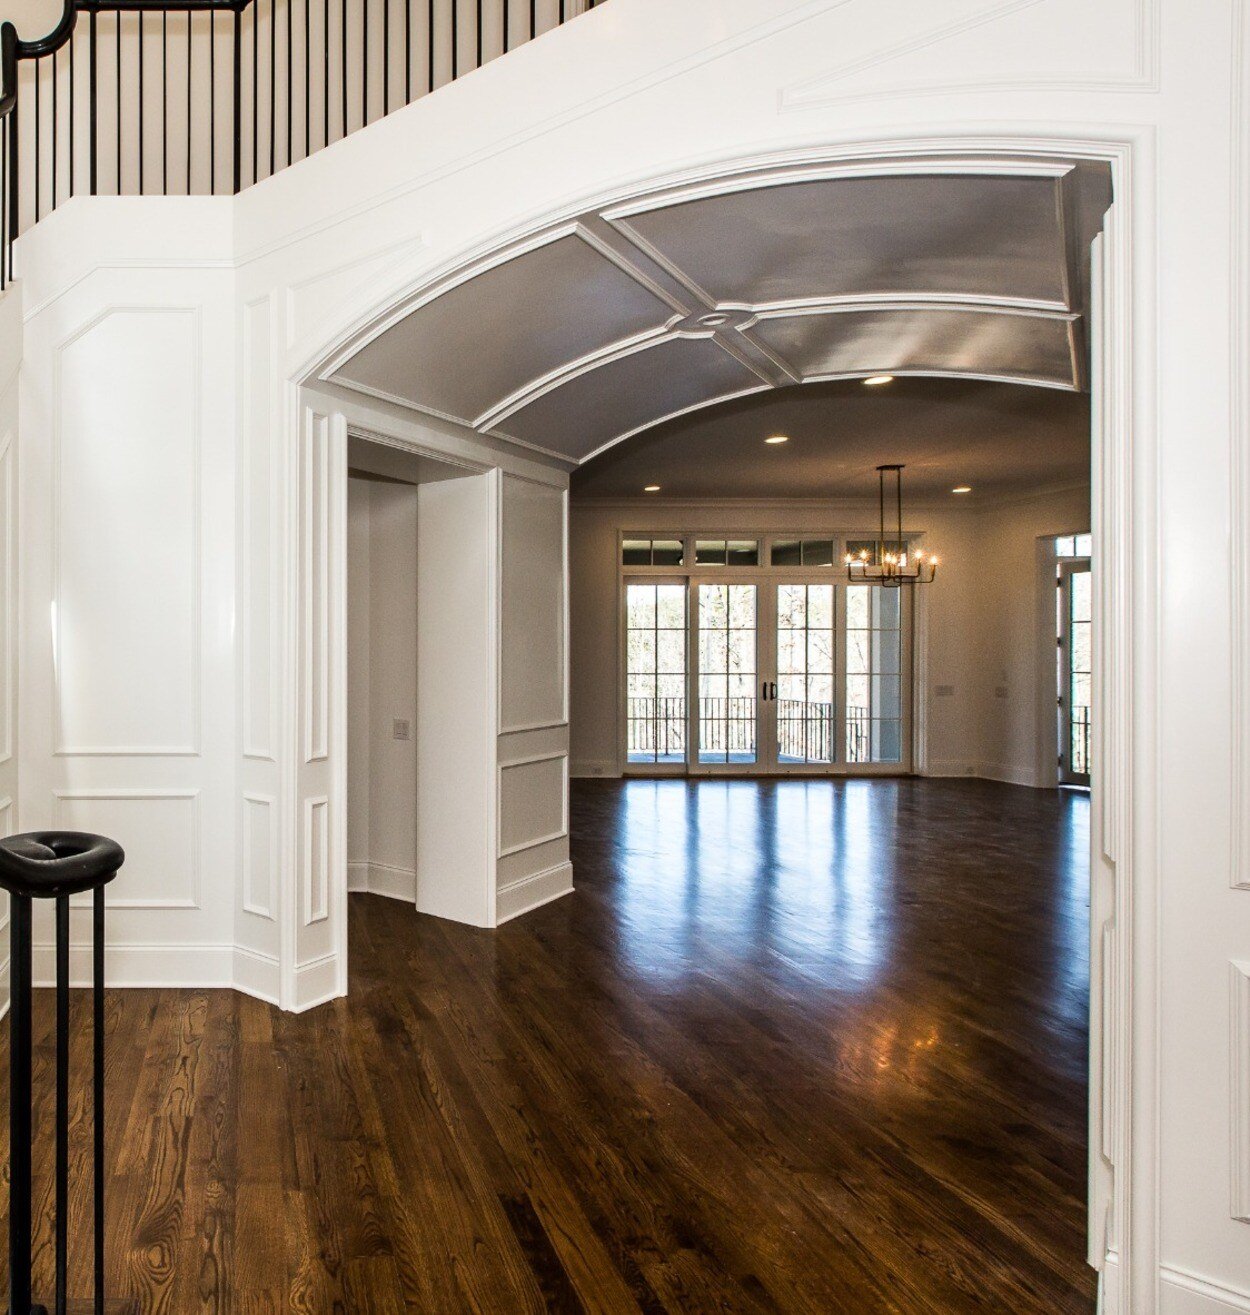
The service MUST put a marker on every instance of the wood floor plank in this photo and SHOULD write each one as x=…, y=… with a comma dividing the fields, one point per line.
x=790, y=1047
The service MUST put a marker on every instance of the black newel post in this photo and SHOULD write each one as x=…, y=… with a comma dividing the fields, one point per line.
x=52, y=865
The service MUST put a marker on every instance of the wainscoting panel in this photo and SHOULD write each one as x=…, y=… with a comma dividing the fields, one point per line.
x=256, y=585
x=534, y=606
x=126, y=477
x=160, y=832
x=533, y=803
x=260, y=854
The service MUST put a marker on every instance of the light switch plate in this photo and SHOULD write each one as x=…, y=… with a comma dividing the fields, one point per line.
x=401, y=729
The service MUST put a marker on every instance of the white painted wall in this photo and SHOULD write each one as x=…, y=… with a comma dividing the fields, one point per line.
x=977, y=625
x=382, y=687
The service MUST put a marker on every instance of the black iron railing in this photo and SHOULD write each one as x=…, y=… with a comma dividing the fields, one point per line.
x=206, y=97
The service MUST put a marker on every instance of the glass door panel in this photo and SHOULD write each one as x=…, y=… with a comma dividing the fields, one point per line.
x=1076, y=671
x=806, y=648
x=655, y=666
x=728, y=709
x=874, y=675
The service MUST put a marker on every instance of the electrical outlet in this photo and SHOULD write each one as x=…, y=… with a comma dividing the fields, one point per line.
x=401, y=730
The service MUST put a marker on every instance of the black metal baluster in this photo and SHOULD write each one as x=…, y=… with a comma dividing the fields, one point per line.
x=307, y=78
x=325, y=75
x=386, y=57
x=139, y=18
x=117, y=48
x=190, y=76
x=14, y=173
x=94, y=100
x=19, y=1103
x=72, y=42
x=290, y=85
x=97, y=1003
x=212, y=102
x=164, y=102
x=38, y=123
x=256, y=91
x=455, y=40
x=56, y=71
x=479, y=35
x=236, y=175
x=273, y=87
x=407, y=52
x=343, y=62
x=533, y=19
x=430, y=47
x=364, y=63
x=506, y=27
x=62, y=1100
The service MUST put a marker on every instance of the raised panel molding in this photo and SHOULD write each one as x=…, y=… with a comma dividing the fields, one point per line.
x=258, y=593
x=1240, y=1050
x=259, y=854
x=533, y=574
x=154, y=647
x=1140, y=72
x=316, y=860
x=315, y=585
x=1239, y=445
x=526, y=788
x=158, y=829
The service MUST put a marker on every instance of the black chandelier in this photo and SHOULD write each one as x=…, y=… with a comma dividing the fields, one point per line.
x=893, y=565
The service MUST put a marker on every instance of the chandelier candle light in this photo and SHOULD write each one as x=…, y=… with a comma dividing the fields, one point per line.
x=895, y=567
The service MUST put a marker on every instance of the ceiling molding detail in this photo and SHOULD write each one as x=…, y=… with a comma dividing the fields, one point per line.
x=614, y=321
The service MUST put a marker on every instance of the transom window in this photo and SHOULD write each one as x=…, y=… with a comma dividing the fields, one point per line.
x=653, y=552
x=1074, y=545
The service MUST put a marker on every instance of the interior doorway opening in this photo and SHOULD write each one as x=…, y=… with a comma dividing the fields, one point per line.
x=413, y=588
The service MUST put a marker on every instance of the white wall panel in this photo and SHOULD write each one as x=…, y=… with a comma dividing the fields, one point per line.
x=532, y=636
x=532, y=803
x=258, y=594
x=160, y=832
x=126, y=507
x=259, y=858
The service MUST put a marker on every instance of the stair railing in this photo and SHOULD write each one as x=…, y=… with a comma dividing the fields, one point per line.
x=206, y=97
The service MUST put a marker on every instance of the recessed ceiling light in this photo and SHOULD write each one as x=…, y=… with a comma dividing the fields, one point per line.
x=652, y=488
x=876, y=380
x=962, y=488
x=778, y=438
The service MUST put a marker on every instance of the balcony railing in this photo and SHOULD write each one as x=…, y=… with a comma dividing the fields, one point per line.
x=656, y=730
x=1079, y=732
x=206, y=97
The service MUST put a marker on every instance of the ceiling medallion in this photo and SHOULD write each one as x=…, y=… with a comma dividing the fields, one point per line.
x=722, y=319
x=890, y=566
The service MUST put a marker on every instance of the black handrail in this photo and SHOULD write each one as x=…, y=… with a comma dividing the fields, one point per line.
x=329, y=42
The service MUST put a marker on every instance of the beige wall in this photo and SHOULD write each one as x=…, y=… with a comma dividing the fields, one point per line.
x=982, y=633
x=382, y=686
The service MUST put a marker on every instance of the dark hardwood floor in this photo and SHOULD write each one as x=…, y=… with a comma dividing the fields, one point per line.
x=792, y=1046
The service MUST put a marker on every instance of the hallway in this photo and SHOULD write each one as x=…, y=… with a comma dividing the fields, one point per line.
x=791, y=1046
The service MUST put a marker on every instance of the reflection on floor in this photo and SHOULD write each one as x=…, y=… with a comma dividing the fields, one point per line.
x=803, y=1046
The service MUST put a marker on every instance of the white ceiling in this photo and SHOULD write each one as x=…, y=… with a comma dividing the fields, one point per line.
x=1001, y=439
x=622, y=318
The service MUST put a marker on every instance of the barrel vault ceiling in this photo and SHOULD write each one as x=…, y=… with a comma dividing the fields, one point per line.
x=627, y=316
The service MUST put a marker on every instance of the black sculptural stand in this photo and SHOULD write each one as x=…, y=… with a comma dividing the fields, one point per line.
x=52, y=865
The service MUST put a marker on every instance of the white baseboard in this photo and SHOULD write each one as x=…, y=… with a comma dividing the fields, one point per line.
x=532, y=892
x=1185, y=1293
x=316, y=982
x=257, y=974
x=1007, y=773
x=950, y=767
x=593, y=767
x=146, y=965
x=382, y=879
x=395, y=883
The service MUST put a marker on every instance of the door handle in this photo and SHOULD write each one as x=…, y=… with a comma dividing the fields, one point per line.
x=772, y=690
x=764, y=692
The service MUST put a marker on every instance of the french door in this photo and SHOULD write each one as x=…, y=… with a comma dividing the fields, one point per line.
x=798, y=675
x=1075, y=670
